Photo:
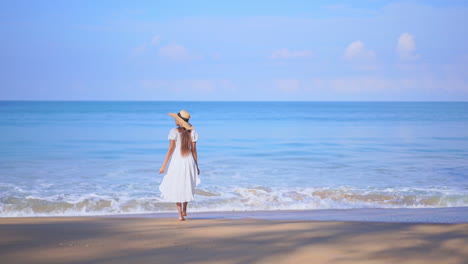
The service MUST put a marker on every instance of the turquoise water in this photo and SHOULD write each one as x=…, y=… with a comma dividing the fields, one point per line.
x=95, y=158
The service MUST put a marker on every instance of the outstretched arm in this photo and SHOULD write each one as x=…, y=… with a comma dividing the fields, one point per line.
x=168, y=156
x=194, y=154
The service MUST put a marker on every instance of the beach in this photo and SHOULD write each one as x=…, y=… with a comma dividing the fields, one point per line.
x=204, y=238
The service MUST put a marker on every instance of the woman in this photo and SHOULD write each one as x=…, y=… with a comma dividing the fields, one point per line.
x=178, y=185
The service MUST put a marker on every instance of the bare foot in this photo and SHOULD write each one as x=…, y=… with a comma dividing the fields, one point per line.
x=184, y=213
x=181, y=219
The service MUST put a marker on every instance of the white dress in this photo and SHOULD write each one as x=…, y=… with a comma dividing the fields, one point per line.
x=178, y=185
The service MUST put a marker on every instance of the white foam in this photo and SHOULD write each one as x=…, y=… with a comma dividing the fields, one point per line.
x=255, y=198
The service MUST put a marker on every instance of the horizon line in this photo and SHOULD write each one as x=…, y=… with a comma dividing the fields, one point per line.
x=243, y=101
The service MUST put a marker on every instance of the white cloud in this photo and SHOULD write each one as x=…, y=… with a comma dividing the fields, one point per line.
x=287, y=54
x=382, y=85
x=287, y=85
x=190, y=87
x=360, y=57
x=406, y=47
x=140, y=50
x=143, y=48
x=203, y=86
x=216, y=56
x=355, y=84
x=171, y=51
x=357, y=51
x=176, y=52
x=155, y=40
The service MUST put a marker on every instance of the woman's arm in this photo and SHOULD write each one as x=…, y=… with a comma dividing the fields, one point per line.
x=168, y=155
x=194, y=154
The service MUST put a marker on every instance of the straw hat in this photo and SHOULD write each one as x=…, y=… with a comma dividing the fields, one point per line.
x=183, y=118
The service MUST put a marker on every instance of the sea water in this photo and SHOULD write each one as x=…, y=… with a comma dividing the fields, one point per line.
x=62, y=158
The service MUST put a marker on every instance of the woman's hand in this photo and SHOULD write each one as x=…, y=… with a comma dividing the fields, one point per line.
x=198, y=170
x=161, y=170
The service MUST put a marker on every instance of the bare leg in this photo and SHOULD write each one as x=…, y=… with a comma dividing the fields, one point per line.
x=179, y=208
x=184, y=211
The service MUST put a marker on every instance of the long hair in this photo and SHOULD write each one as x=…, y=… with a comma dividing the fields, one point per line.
x=185, y=146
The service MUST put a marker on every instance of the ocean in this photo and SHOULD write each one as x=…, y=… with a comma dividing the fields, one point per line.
x=71, y=158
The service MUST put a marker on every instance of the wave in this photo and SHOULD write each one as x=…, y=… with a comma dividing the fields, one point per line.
x=253, y=198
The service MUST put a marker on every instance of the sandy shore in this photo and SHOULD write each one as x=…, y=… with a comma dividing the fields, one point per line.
x=143, y=240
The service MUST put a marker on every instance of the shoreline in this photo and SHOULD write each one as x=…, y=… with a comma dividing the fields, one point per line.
x=444, y=215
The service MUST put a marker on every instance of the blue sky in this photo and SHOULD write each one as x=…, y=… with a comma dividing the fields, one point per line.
x=242, y=50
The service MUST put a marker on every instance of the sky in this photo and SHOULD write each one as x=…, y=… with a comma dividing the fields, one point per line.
x=234, y=50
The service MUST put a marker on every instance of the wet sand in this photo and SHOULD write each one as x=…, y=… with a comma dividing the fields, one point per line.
x=198, y=240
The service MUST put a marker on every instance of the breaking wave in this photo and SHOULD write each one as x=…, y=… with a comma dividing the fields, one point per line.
x=254, y=198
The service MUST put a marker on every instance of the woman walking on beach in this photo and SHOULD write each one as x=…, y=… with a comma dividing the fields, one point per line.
x=178, y=185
